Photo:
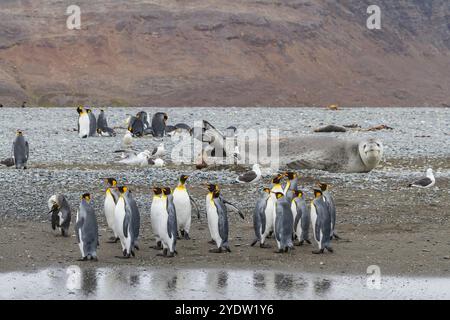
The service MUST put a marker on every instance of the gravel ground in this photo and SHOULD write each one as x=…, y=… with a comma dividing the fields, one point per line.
x=380, y=217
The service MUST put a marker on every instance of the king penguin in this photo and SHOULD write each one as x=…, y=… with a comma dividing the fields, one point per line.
x=86, y=229
x=182, y=201
x=302, y=218
x=127, y=222
x=83, y=123
x=159, y=124
x=102, y=126
x=259, y=219
x=291, y=185
x=111, y=197
x=156, y=210
x=216, y=212
x=61, y=214
x=321, y=222
x=20, y=150
x=284, y=223
x=92, y=123
x=329, y=200
x=167, y=225
x=270, y=208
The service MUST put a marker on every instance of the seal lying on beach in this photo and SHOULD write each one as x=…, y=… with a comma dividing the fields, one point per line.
x=331, y=154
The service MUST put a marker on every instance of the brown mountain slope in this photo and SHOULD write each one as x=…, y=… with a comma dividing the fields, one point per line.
x=233, y=52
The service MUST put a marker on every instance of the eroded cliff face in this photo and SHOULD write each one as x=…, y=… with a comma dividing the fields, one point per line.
x=225, y=53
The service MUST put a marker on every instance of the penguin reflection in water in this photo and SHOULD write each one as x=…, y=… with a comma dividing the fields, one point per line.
x=217, y=215
x=127, y=222
x=61, y=214
x=86, y=229
x=321, y=222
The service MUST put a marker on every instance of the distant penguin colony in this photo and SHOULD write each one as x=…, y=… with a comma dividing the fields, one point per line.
x=283, y=214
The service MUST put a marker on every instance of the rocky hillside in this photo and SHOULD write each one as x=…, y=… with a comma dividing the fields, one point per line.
x=225, y=53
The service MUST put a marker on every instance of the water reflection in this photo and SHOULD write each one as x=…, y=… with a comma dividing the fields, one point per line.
x=135, y=283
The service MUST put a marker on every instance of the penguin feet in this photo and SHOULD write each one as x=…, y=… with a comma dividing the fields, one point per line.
x=186, y=236
x=318, y=251
x=329, y=249
x=335, y=236
x=170, y=255
x=300, y=243
x=163, y=254
x=308, y=241
x=136, y=247
x=182, y=233
x=265, y=246
x=124, y=252
x=218, y=250
x=132, y=253
x=212, y=242
x=82, y=259
x=113, y=240
x=254, y=242
x=279, y=251
x=158, y=246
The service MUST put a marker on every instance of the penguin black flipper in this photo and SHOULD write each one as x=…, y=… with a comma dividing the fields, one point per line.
x=55, y=217
x=223, y=222
x=233, y=206
x=298, y=216
x=126, y=223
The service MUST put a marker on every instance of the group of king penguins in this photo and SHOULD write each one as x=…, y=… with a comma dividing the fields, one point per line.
x=281, y=210
x=284, y=212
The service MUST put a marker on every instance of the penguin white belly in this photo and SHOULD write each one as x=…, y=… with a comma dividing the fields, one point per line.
x=155, y=216
x=294, y=214
x=213, y=224
x=313, y=222
x=269, y=213
x=166, y=240
x=84, y=121
x=110, y=207
x=119, y=213
x=183, y=208
x=81, y=244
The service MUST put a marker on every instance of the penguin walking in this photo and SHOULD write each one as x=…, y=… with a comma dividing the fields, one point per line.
x=83, y=123
x=260, y=220
x=321, y=222
x=61, y=214
x=167, y=225
x=86, y=229
x=329, y=200
x=302, y=218
x=20, y=151
x=127, y=222
x=156, y=211
x=182, y=201
x=111, y=197
x=284, y=223
x=216, y=212
x=102, y=126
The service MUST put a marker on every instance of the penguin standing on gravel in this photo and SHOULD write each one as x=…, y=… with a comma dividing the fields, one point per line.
x=159, y=124
x=156, y=211
x=86, y=229
x=329, y=200
x=260, y=219
x=167, y=225
x=111, y=197
x=61, y=214
x=83, y=123
x=20, y=151
x=182, y=201
x=284, y=223
x=127, y=222
x=136, y=126
x=321, y=222
x=92, y=123
x=216, y=212
x=302, y=218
